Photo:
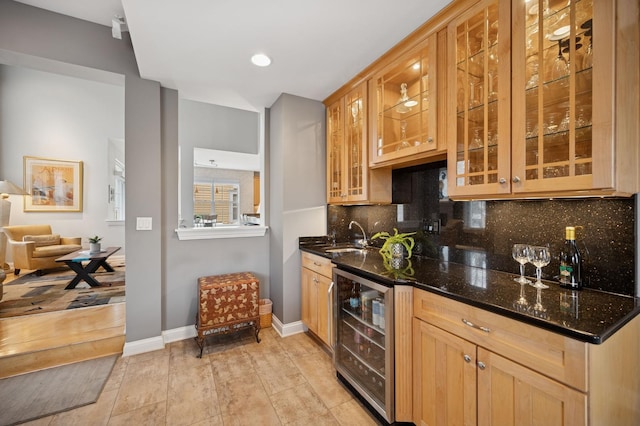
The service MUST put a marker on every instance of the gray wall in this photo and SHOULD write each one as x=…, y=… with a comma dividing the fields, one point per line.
x=297, y=202
x=202, y=125
x=61, y=40
x=161, y=270
x=186, y=261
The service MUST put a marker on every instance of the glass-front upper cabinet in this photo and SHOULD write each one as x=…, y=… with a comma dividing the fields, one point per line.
x=562, y=62
x=346, y=148
x=404, y=115
x=479, y=98
x=335, y=150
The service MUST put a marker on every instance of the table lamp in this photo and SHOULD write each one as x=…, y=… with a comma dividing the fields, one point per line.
x=6, y=188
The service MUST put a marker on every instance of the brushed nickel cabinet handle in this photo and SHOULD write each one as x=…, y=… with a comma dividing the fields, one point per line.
x=467, y=358
x=481, y=365
x=477, y=327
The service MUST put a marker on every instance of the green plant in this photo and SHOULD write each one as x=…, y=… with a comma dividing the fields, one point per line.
x=95, y=239
x=405, y=239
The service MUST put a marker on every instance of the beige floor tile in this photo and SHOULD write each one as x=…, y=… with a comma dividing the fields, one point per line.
x=117, y=373
x=147, y=357
x=352, y=413
x=93, y=414
x=243, y=401
x=144, y=383
x=44, y=421
x=275, y=369
x=213, y=421
x=149, y=415
x=183, y=413
x=326, y=419
x=184, y=354
x=298, y=403
x=299, y=345
x=191, y=395
x=231, y=364
x=319, y=372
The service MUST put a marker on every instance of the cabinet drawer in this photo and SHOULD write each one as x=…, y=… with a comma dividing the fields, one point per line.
x=317, y=264
x=561, y=358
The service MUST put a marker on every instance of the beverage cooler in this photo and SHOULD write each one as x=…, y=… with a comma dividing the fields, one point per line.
x=363, y=355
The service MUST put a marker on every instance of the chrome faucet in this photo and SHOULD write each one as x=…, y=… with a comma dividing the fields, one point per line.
x=364, y=241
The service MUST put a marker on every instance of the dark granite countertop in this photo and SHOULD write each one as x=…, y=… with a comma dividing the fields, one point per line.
x=594, y=317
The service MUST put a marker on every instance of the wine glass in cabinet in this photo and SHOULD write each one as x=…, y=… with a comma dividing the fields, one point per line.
x=479, y=100
x=562, y=90
x=404, y=112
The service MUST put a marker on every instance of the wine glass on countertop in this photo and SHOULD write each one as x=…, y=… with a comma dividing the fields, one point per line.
x=539, y=256
x=520, y=253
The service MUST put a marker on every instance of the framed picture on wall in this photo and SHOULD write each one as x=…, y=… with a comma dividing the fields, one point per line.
x=52, y=185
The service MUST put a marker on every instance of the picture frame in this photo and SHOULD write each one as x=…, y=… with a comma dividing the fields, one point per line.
x=52, y=185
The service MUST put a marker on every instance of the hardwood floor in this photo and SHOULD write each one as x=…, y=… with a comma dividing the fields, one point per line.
x=38, y=341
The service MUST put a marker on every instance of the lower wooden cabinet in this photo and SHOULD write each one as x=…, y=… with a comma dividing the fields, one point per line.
x=511, y=394
x=316, y=295
x=444, y=377
x=482, y=375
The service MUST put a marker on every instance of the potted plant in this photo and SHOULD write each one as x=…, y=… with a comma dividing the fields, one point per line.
x=395, y=244
x=94, y=244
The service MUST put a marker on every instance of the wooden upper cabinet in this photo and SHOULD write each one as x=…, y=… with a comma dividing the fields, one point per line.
x=555, y=120
x=563, y=89
x=349, y=180
x=479, y=100
x=404, y=106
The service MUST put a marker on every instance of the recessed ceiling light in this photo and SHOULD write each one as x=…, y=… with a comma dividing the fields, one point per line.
x=261, y=60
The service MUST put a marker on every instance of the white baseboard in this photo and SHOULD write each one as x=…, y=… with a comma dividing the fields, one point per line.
x=189, y=332
x=177, y=334
x=142, y=346
x=289, y=329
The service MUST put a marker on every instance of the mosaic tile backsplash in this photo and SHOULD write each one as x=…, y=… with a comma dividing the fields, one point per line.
x=481, y=233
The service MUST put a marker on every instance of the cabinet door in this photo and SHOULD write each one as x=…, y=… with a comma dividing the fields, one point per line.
x=355, y=154
x=563, y=85
x=404, y=112
x=444, y=371
x=510, y=394
x=336, y=192
x=324, y=309
x=309, y=296
x=479, y=134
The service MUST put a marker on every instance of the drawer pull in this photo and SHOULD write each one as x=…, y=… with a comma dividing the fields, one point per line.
x=481, y=365
x=467, y=358
x=317, y=264
x=470, y=324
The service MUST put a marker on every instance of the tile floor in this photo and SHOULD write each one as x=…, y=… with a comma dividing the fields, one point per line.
x=280, y=381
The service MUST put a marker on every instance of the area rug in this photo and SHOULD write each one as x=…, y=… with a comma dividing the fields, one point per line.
x=33, y=294
x=43, y=393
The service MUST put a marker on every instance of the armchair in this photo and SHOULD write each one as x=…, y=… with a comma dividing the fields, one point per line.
x=35, y=247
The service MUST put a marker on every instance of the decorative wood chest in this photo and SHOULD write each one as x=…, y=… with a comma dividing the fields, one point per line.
x=226, y=304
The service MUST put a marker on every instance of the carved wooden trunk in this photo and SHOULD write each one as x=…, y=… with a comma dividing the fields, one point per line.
x=226, y=304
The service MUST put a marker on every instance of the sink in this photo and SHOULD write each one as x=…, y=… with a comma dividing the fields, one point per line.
x=343, y=250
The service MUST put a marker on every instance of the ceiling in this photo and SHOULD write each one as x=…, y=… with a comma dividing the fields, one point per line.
x=202, y=48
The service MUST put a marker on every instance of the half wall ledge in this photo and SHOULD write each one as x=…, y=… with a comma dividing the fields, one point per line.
x=221, y=232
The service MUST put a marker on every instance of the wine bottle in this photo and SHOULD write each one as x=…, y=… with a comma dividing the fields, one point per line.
x=354, y=299
x=570, y=262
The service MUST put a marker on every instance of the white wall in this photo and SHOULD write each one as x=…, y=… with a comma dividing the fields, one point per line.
x=61, y=117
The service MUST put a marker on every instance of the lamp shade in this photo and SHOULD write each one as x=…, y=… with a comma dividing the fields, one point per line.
x=8, y=187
